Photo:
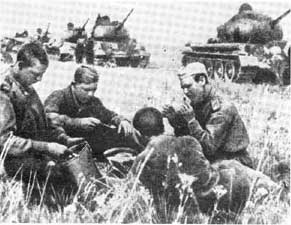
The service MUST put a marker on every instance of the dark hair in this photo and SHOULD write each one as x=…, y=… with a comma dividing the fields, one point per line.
x=149, y=121
x=78, y=77
x=31, y=51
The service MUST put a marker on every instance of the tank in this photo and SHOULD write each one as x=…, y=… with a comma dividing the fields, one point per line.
x=248, y=48
x=113, y=46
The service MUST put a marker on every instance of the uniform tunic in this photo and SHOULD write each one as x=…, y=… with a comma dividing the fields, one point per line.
x=219, y=129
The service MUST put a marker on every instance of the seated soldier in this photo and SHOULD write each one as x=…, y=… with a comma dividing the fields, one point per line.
x=214, y=122
x=75, y=111
x=179, y=177
x=27, y=144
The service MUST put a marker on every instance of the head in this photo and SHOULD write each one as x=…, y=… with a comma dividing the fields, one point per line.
x=70, y=26
x=31, y=64
x=245, y=7
x=39, y=30
x=193, y=80
x=149, y=122
x=85, y=83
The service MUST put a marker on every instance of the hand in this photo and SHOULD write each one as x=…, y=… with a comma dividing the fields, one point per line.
x=70, y=141
x=169, y=112
x=126, y=127
x=88, y=123
x=57, y=150
x=187, y=111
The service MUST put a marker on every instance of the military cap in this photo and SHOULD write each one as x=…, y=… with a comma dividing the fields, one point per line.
x=193, y=69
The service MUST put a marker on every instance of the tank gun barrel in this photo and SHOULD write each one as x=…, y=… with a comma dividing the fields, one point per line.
x=123, y=21
x=277, y=20
x=85, y=24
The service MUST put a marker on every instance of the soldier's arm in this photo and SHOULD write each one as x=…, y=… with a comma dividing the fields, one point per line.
x=57, y=121
x=107, y=116
x=180, y=125
x=14, y=145
x=212, y=137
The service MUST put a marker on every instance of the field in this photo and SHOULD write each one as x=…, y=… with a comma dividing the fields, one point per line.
x=265, y=109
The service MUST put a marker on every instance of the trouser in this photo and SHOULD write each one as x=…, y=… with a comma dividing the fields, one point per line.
x=39, y=178
x=242, y=156
x=79, y=52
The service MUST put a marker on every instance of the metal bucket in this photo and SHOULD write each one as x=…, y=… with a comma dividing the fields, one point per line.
x=81, y=166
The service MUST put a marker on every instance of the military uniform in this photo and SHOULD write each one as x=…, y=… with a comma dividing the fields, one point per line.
x=177, y=174
x=219, y=129
x=62, y=107
x=24, y=134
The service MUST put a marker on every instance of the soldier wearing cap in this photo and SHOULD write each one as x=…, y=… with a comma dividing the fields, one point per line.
x=215, y=123
x=79, y=113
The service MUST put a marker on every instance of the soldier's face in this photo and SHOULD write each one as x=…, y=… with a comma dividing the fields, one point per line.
x=32, y=74
x=194, y=90
x=84, y=92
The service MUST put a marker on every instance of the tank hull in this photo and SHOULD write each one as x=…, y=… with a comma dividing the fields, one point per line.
x=238, y=62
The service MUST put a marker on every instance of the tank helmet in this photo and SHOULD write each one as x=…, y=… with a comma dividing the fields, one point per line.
x=245, y=7
x=193, y=69
x=149, y=121
x=86, y=74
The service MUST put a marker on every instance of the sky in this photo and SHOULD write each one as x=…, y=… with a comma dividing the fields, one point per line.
x=163, y=27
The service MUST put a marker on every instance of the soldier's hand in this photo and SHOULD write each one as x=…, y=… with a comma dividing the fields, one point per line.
x=169, y=112
x=56, y=150
x=186, y=110
x=125, y=127
x=89, y=123
x=70, y=141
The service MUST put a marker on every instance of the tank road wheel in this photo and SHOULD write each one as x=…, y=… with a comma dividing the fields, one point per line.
x=218, y=70
x=229, y=72
x=209, y=67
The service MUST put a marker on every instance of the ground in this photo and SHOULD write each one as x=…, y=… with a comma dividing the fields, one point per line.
x=265, y=109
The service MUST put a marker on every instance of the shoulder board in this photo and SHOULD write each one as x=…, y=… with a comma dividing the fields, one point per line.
x=215, y=104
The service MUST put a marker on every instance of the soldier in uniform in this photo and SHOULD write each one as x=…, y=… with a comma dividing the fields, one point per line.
x=77, y=112
x=215, y=123
x=38, y=36
x=27, y=144
x=182, y=181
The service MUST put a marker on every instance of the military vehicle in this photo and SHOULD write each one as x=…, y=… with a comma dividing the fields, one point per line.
x=112, y=45
x=248, y=48
x=68, y=49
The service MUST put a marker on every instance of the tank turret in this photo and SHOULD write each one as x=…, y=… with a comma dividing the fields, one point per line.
x=113, y=46
x=249, y=26
x=248, y=48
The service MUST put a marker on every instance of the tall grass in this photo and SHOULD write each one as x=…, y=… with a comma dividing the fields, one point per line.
x=265, y=110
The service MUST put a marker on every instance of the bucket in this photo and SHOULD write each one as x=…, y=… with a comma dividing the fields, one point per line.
x=81, y=166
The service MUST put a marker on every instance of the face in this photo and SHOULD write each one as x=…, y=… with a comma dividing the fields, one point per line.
x=84, y=92
x=30, y=75
x=192, y=89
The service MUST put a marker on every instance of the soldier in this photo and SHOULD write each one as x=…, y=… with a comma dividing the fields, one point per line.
x=76, y=111
x=25, y=138
x=38, y=36
x=66, y=54
x=183, y=182
x=215, y=123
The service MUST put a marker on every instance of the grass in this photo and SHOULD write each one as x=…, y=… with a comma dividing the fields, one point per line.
x=265, y=110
